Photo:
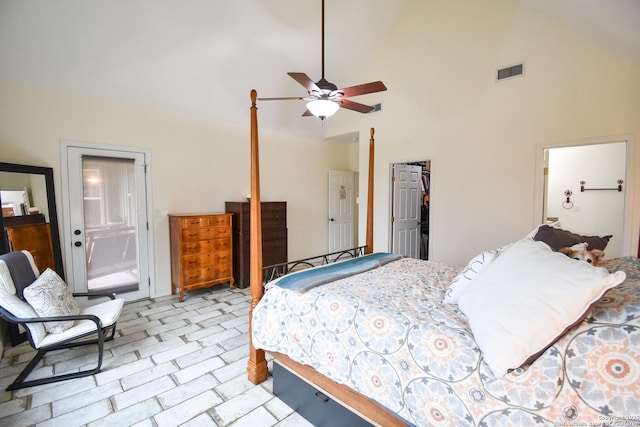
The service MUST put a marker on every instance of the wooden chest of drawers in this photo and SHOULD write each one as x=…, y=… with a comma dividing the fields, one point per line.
x=201, y=251
x=274, y=237
x=36, y=238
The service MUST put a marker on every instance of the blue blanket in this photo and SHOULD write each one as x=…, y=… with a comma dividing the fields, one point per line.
x=304, y=280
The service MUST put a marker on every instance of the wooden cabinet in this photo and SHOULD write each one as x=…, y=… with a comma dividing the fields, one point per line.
x=201, y=251
x=36, y=238
x=274, y=237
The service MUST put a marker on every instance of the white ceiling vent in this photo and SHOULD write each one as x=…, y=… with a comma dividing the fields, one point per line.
x=509, y=72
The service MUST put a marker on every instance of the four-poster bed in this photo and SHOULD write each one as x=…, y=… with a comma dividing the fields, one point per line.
x=257, y=370
x=572, y=356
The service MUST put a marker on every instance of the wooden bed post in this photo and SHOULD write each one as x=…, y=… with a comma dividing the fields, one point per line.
x=257, y=367
x=369, y=242
x=257, y=370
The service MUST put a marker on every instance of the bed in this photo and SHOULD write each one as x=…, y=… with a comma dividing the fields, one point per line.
x=521, y=335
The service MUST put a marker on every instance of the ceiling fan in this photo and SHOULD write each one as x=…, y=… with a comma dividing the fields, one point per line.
x=324, y=98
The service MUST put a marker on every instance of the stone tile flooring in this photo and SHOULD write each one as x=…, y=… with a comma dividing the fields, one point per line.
x=171, y=364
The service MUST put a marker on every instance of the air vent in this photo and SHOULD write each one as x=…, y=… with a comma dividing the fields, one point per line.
x=376, y=107
x=512, y=71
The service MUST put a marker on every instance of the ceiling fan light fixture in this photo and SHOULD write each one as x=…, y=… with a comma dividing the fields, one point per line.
x=324, y=98
x=323, y=108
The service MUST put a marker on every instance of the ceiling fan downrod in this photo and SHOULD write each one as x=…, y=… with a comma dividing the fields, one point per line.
x=322, y=51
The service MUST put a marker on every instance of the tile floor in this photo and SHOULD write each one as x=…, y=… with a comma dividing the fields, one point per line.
x=171, y=364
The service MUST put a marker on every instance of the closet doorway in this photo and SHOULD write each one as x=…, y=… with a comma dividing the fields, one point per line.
x=410, y=183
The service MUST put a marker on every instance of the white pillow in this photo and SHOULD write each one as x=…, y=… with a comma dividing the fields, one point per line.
x=527, y=298
x=49, y=296
x=467, y=274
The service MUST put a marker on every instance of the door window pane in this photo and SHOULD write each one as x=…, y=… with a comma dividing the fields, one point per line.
x=109, y=191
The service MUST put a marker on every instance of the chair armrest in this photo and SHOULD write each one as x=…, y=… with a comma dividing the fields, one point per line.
x=91, y=317
x=111, y=295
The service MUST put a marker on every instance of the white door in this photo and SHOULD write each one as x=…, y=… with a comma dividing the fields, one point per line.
x=341, y=210
x=107, y=224
x=407, y=201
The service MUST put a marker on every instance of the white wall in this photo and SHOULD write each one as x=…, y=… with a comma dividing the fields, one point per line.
x=444, y=104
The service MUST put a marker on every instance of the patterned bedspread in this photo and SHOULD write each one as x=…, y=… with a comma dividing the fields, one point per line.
x=386, y=334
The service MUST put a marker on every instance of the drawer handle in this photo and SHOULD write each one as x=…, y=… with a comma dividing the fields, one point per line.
x=323, y=398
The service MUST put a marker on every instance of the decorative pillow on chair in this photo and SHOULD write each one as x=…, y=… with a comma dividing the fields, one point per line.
x=50, y=296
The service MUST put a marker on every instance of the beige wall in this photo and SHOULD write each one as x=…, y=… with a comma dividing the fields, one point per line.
x=196, y=164
x=482, y=136
x=442, y=104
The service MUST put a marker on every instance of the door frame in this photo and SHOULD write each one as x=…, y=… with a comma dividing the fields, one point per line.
x=628, y=231
x=66, y=216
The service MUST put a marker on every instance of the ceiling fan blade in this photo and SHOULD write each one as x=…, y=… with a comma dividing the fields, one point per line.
x=363, y=89
x=355, y=106
x=305, y=81
x=297, y=98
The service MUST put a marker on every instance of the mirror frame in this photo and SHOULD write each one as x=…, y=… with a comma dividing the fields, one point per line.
x=51, y=204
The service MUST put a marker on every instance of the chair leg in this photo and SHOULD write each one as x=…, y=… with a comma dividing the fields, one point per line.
x=112, y=332
x=26, y=371
x=20, y=383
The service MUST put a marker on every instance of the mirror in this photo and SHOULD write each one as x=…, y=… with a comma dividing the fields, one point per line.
x=29, y=218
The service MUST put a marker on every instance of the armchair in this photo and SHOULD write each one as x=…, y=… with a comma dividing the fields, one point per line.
x=92, y=325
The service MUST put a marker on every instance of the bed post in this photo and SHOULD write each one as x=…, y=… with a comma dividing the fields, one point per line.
x=257, y=367
x=369, y=242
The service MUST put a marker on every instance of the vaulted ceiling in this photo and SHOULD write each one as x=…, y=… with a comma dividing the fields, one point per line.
x=202, y=57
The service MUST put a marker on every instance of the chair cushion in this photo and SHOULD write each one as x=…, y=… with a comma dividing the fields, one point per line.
x=7, y=272
x=21, y=269
x=17, y=307
x=50, y=296
x=6, y=282
x=108, y=313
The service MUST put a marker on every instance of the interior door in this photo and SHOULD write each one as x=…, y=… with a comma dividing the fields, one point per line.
x=341, y=210
x=407, y=201
x=108, y=221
